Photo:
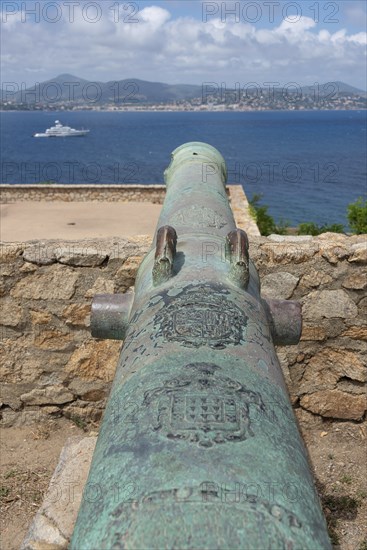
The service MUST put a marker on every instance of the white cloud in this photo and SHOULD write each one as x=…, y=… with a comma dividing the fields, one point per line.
x=154, y=16
x=359, y=38
x=184, y=49
x=298, y=26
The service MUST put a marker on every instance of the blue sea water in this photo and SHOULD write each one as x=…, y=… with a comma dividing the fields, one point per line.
x=307, y=165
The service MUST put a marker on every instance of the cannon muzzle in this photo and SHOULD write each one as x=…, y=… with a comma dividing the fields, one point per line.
x=199, y=447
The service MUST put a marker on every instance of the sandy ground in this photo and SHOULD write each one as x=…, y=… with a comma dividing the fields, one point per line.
x=25, y=221
x=337, y=450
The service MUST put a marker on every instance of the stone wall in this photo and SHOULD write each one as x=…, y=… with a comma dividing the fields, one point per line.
x=82, y=193
x=51, y=366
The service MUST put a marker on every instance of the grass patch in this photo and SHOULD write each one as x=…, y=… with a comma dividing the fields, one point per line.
x=78, y=421
x=337, y=508
x=11, y=473
x=4, y=491
x=347, y=479
x=342, y=506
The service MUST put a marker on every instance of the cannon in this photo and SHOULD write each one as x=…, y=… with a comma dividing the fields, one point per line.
x=199, y=447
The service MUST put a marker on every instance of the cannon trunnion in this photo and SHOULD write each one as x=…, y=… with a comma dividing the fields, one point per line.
x=199, y=447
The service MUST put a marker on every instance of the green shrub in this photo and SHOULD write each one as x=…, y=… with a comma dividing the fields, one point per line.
x=357, y=216
x=310, y=228
x=282, y=228
x=264, y=221
x=333, y=228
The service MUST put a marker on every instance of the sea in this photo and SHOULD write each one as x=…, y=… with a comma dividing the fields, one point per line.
x=307, y=166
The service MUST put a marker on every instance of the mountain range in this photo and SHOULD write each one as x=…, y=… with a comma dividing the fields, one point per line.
x=67, y=88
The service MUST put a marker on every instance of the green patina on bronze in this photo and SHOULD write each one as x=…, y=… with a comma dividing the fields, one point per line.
x=199, y=447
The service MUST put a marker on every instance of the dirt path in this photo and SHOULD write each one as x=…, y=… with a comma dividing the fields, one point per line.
x=338, y=452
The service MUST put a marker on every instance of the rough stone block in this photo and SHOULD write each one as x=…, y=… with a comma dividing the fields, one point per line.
x=10, y=251
x=289, y=252
x=334, y=253
x=125, y=276
x=357, y=333
x=77, y=314
x=51, y=395
x=328, y=366
x=17, y=363
x=313, y=333
x=81, y=255
x=10, y=394
x=359, y=253
x=95, y=360
x=10, y=313
x=57, y=283
x=40, y=317
x=89, y=390
x=290, y=238
x=335, y=404
x=54, y=340
x=328, y=304
x=356, y=281
x=315, y=278
x=278, y=286
x=101, y=286
x=27, y=267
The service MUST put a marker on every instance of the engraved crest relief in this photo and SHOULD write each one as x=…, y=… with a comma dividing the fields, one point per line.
x=203, y=407
x=199, y=317
x=199, y=216
x=280, y=527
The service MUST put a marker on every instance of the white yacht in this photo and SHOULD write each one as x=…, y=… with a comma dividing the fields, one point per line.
x=61, y=131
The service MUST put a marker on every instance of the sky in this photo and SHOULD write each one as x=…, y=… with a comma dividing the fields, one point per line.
x=185, y=41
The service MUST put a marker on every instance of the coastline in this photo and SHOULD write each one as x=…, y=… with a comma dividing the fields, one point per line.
x=126, y=110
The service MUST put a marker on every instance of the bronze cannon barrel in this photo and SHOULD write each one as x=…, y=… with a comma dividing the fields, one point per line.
x=199, y=447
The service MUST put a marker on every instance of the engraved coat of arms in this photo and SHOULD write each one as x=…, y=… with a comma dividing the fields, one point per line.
x=200, y=316
x=203, y=407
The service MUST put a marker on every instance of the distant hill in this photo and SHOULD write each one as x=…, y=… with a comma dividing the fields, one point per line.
x=67, y=88
x=337, y=87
